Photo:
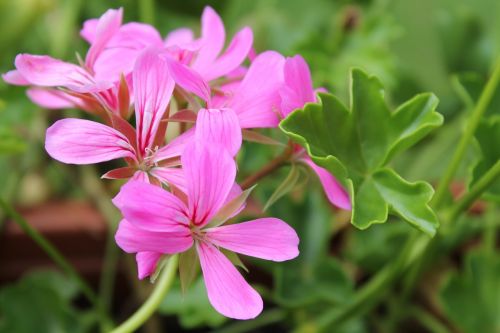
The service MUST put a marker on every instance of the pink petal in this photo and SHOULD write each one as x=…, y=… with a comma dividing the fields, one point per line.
x=106, y=28
x=78, y=141
x=150, y=207
x=135, y=35
x=210, y=173
x=113, y=62
x=266, y=238
x=52, y=98
x=146, y=263
x=234, y=55
x=175, y=147
x=179, y=37
x=213, y=36
x=227, y=290
x=257, y=99
x=188, y=79
x=89, y=30
x=219, y=126
x=132, y=239
x=298, y=88
x=49, y=72
x=173, y=176
x=153, y=87
x=333, y=190
x=14, y=77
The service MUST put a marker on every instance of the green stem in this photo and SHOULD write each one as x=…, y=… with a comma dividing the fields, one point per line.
x=428, y=321
x=475, y=192
x=57, y=257
x=147, y=309
x=471, y=126
x=266, y=318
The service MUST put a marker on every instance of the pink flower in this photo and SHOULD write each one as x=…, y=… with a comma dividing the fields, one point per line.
x=295, y=93
x=157, y=222
x=78, y=141
x=47, y=73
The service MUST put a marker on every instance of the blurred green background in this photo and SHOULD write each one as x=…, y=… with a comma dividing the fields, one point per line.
x=443, y=46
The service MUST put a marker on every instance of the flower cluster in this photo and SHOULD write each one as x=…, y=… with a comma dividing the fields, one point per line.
x=180, y=194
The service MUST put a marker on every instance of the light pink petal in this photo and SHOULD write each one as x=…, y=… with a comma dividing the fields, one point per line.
x=146, y=263
x=113, y=62
x=173, y=176
x=257, y=99
x=89, y=30
x=175, y=147
x=188, y=79
x=179, y=37
x=266, y=238
x=219, y=126
x=78, y=141
x=133, y=239
x=298, y=88
x=210, y=173
x=333, y=190
x=227, y=290
x=153, y=87
x=14, y=77
x=150, y=207
x=137, y=36
x=49, y=72
x=106, y=28
x=52, y=98
x=235, y=54
x=213, y=36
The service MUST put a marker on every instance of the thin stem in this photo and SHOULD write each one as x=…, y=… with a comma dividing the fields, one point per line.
x=267, y=169
x=482, y=185
x=428, y=321
x=471, y=126
x=163, y=285
x=266, y=318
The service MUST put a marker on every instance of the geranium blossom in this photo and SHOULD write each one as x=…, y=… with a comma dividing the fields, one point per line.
x=157, y=222
x=78, y=141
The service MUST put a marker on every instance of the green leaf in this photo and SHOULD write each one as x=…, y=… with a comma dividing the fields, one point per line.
x=285, y=187
x=471, y=299
x=188, y=267
x=488, y=138
x=356, y=144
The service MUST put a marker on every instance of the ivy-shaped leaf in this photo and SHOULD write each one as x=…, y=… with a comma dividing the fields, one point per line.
x=355, y=144
x=488, y=138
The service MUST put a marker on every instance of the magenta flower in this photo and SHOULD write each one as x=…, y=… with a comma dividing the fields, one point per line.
x=157, y=222
x=78, y=141
x=295, y=93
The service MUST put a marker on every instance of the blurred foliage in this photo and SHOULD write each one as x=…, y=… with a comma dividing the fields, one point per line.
x=42, y=302
x=441, y=46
